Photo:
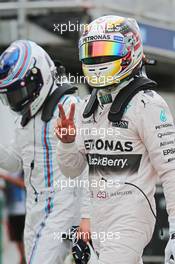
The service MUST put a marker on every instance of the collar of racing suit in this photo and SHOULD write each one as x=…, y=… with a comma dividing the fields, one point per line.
x=107, y=95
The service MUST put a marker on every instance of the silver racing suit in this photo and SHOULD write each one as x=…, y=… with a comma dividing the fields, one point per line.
x=124, y=158
x=52, y=204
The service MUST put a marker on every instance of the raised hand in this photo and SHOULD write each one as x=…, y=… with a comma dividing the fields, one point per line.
x=65, y=128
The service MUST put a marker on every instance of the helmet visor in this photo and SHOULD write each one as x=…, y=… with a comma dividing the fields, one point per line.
x=102, y=48
x=8, y=61
x=16, y=99
x=23, y=91
x=99, y=60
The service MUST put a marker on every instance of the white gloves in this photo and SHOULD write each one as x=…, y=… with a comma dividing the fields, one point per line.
x=170, y=251
x=170, y=248
x=94, y=258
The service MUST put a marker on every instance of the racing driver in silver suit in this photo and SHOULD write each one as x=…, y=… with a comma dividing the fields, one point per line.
x=131, y=153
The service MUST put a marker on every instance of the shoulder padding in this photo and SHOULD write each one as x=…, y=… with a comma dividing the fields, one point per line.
x=121, y=100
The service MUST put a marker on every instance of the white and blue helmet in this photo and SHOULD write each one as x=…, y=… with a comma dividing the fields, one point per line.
x=26, y=76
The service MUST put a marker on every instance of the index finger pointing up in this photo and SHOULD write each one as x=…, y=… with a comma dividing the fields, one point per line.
x=61, y=111
x=72, y=112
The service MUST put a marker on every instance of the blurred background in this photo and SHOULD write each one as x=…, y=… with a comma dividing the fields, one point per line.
x=40, y=21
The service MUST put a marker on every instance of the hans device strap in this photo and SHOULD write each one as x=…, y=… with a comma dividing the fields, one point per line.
x=53, y=99
x=126, y=94
x=121, y=100
x=91, y=105
x=50, y=103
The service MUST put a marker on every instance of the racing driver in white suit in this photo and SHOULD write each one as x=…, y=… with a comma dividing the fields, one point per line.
x=130, y=153
x=28, y=86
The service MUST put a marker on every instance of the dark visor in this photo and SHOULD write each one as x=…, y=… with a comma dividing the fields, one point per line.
x=25, y=90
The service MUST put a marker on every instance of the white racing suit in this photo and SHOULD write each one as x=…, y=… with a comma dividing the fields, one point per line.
x=135, y=150
x=52, y=204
